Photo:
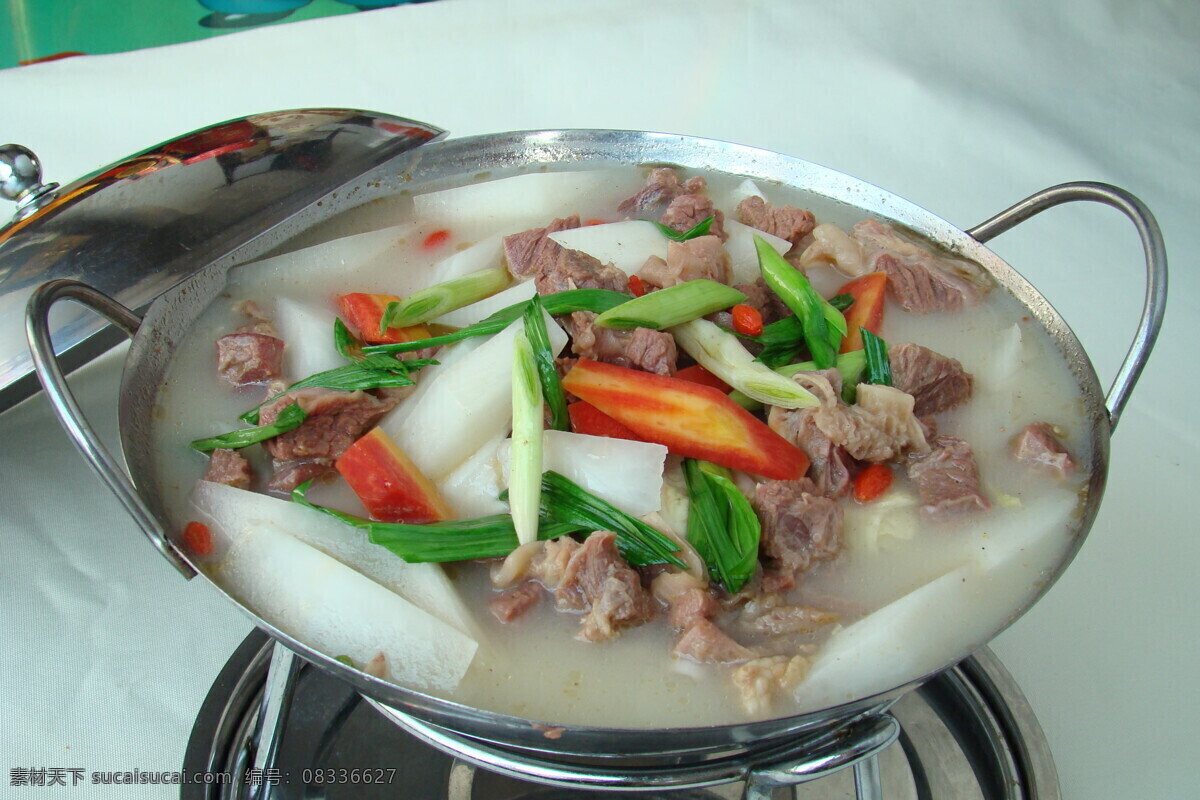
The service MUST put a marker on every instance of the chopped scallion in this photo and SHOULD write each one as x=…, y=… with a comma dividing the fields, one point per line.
x=823, y=324
x=525, y=476
x=290, y=417
x=700, y=229
x=539, y=339
x=721, y=524
x=444, y=297
x=879, y=369
x=671, y=306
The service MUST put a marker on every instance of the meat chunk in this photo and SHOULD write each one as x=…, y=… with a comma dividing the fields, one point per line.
x=574, y=269
x=879, y=427
x=531, y=251
x=831, y=467
x=511, y=604
x=920, y=280
x=1039, y=446
x=692, y=606
x=785, y=619
x=799, y=528
x=702, y=257
x=230, y=468
x=642, y=348
x=688, y=210
x=786, y=222
x=706, y=643
x=598, y=581
x=935, y=381
x=662, y=186
x=947, y=479
x=759, y=681
x=290, y=474
x=335, y=420
x=249, y=357
x=832, y=246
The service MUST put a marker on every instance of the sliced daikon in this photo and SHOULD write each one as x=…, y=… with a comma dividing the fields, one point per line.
x=473, y=488
x=625, y=245
x=746, y=188
x=469, y=315
x=465, y=404
x=338, y=611
x=424, y=585
x=532, y=199
x=307, y=332
x=626, y=473
x=446, y=357
x=742, y=254
x=484, y=254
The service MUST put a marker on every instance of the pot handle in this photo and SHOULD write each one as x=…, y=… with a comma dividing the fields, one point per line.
x=1156, y=268
x=37, y=330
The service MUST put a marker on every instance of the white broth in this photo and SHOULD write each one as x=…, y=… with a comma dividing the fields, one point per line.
x=911, y=593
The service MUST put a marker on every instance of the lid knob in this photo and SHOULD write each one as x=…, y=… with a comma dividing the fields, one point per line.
x=21, y=179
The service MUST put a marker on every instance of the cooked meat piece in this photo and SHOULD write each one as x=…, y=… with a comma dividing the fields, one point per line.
x=935, y=381
x=759, y=681
x=706, y=643
x=830, y=467
x=531, y=251
x=228, y=467
x=1039, y=445
x=645, y=349
x=550, y=565
x=691, y=606
x=290, y=474
x=662, y=186
x=920, y=280
x=702, y=257
x=671, y=584
x=879, y=427
x=688, y=210
x=833, y=246
x=786, y=619
x=574, y=269
x=786, y=222
x=513, y=603
x=947, y=479
x=599, y=581
x=335, y=420
x=249, y=357
x=766, y=302
x=799, y=528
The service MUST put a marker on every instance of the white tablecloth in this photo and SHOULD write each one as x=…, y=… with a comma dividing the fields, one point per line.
x=962, y=107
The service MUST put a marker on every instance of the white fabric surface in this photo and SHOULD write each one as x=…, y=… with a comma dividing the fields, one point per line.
x=962, y=107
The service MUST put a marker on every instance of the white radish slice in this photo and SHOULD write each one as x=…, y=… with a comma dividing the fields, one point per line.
x=742, y=254
x=473, y=488
x=626, y=473
x=625, y=245
x=532, y=199
x=424, y=585
x=746, y=188
x=307, y=332
x=446, y=357
x=467, y=403
x=481, y=255
x=907, y=637
x=469, y=315
x=338, y=611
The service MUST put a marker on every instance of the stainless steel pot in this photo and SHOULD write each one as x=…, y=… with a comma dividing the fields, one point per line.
x=833, y=736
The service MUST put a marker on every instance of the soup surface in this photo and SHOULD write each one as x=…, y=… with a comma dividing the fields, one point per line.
x=907, y=579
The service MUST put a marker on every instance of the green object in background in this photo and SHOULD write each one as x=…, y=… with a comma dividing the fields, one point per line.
x=38, y=29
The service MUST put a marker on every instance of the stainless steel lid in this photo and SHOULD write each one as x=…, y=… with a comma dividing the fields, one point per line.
x=137, y=227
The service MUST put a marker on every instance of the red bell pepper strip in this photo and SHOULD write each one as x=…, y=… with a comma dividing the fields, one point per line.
x=868, y=292
x=389, y=484
x=586, y=418
x=690, y=419
x=364, y=311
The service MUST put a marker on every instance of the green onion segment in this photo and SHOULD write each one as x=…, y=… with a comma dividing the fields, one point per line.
x=525, y=475
x=823, y=324
x=723, y=355
x=671, y=306
x=428, y=303
x=722, y=526
x=290, y=417
x=879, y=369
x=594, y=300
x=539, y=340
x=700, y=229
